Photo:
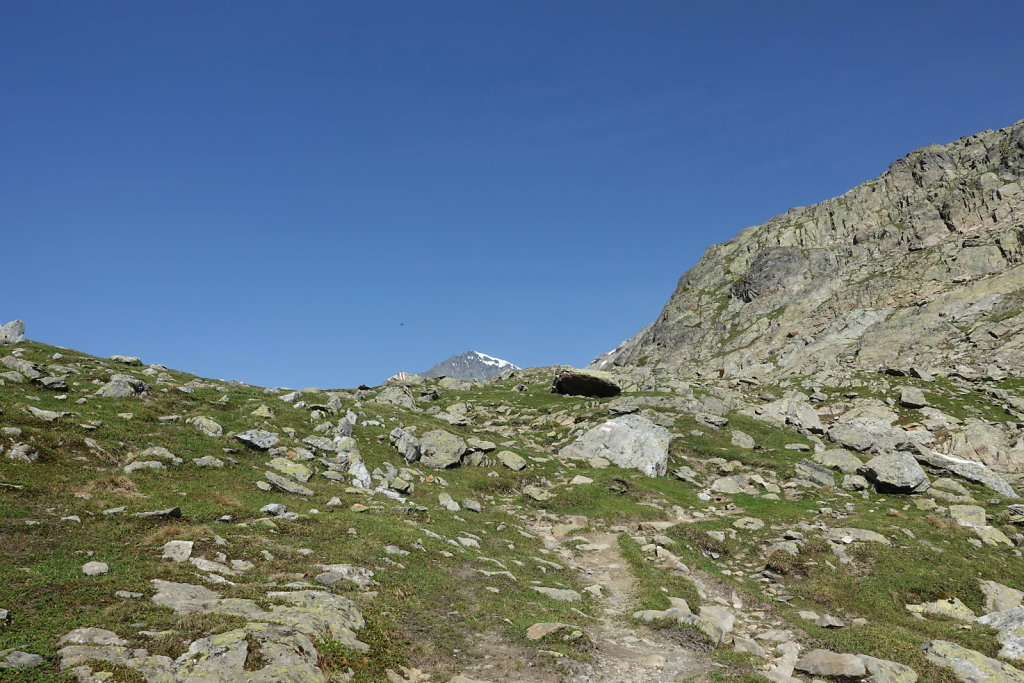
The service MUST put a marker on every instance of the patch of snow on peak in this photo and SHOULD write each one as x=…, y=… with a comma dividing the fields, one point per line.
x=497, y=362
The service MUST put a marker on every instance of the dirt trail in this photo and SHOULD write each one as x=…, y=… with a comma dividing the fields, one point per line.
x=625, y=651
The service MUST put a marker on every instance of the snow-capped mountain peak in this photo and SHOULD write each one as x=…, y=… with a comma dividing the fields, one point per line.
x=470, y=365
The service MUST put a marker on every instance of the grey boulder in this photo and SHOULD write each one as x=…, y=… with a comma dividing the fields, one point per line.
x=896, y=472
x=258, y=439
x=828, y=663
x=630, y=441
x=396, y=395
x=123, y=386
x=286, y=485
x=440, y=449
x=13, y=332
x=206, y=425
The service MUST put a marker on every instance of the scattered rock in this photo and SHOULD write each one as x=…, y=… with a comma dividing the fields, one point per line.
x=177, y=551
x=257, y=438
x=206, y=425
x=828, y=663
x=912, y=397
x=287, y=485
x=95, y=568
x=511, y=460
x=561, y=594
x=838, y=459
x=542, y=629
x=169, y=513
x=999, y=597
x=884, y=671
x=742, y=439
x=16, y=659
x=1009, y=625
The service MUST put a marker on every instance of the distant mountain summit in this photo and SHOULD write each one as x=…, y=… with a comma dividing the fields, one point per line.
x=470, y=365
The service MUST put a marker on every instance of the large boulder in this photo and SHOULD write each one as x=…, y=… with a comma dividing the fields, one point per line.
x=630, y=441
x=123, y=386
x=896, y=473
x=1009, y=626
x=12, y=333
x=838, y=459
x=26, y=368
x=440, y=449
x=832, y=664
x=793, y=410
x=258, y=438
x=971, y=471
x=585, y=383
x=985, y=443
x=969, y=665
x=396, y=395
x=406, y=443
x=206, y=425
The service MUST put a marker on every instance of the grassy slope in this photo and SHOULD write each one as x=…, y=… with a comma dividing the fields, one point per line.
x=431, y=612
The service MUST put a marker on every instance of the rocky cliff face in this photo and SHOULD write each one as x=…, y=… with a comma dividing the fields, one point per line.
x=919, y=267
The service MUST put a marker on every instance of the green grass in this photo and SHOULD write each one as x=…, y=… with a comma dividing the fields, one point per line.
x=431, y=611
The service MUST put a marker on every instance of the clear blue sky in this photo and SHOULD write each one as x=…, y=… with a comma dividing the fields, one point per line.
x=266, y=191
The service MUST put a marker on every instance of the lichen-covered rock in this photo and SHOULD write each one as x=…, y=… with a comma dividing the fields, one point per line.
x=630, y=441
x=206, y=425
x=440, y=449
x=970, y=666
x=406, y=443
x=511, y=460
x=16, y=659
x=123, y=386
x=971, y=471
x=286, y=485
x=827, y=663
x=183, y=598
x=1009, y=626
x=896, y=473
x=999, y=597
x=12, y=333
x=885, y=671
x=396, y=395
x=293, y=469
x=838, y=459
x=258, y=438
x=912, y=397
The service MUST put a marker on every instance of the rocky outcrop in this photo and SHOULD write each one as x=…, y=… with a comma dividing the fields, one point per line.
x=916, y=267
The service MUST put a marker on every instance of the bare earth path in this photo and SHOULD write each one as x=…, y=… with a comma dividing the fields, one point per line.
x=624, y=652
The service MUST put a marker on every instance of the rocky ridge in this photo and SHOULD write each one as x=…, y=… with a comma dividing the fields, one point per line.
x=919, y=268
